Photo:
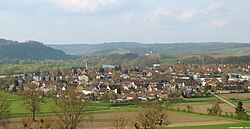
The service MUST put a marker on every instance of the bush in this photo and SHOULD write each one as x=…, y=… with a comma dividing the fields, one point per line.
x=121, y=123
x=242, y=116
x=226, y=114
x=189, y=108
x=4, y=111
x=167, y=105
x=231, y=115
x=240, y=112
x=234, y=99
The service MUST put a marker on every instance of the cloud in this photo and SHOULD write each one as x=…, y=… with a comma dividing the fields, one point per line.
x=84, y=5
x=144, y=1
x=188, y=14
x=158, y=13
x=2, y=13
x=59, y=23
x=128, y=17
x=213, y=6
x=219, y=22
x=155, y=18
x=27, y=2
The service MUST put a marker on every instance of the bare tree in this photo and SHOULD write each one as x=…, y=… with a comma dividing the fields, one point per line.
x=70, y=109
x=152, y=117
x=4, y=111
x=108, y=96
x=215, y=109
x=32, y=99
x=189, y=108
x=121, y=123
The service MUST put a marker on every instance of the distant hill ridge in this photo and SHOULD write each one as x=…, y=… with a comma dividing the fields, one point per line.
x=168, y=48
x=32, y=50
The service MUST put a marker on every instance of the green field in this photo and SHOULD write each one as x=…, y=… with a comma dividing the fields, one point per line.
x=17, y=108
x=239, y=125
x=203, y=99
x=168, y=60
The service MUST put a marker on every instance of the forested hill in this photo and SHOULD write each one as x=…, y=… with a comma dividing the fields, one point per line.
x=168, y=48
x=32, y=50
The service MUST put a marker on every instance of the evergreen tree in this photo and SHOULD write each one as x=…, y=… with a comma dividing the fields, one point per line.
x=239, y=108
x=240, y=112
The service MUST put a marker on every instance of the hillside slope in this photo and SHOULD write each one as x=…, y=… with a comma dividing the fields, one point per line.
x=171, y=48
x=32, y=50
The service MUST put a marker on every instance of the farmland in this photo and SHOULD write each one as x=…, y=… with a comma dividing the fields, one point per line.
x=113, y=91
x=200, y=105
x=105, y=120
x=236, y=96
x=202, y=108
x=105, y=113
x=223, y=126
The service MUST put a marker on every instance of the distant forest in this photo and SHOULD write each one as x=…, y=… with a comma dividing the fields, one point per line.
x=212, y=60
x=29, y=50
x=126, y=53
x=161, y=48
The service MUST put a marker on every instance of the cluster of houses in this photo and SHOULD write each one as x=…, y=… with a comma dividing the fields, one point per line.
x=113, y=83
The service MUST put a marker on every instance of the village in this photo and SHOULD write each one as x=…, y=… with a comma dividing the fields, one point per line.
x=111, y=83
x=124, y=64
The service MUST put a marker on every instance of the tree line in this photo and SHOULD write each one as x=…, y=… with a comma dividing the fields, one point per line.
x=212, y=60
x=69, y=112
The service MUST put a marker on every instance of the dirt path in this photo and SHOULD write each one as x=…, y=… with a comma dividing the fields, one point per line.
x=233, y=105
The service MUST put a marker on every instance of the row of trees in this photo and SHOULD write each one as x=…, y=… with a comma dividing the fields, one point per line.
x=4, y=110
x=70, y=112
x=69, y=109
x=240, y=112
x=69, y=106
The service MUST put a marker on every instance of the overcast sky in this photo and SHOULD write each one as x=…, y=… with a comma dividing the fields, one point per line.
x=147, y=21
